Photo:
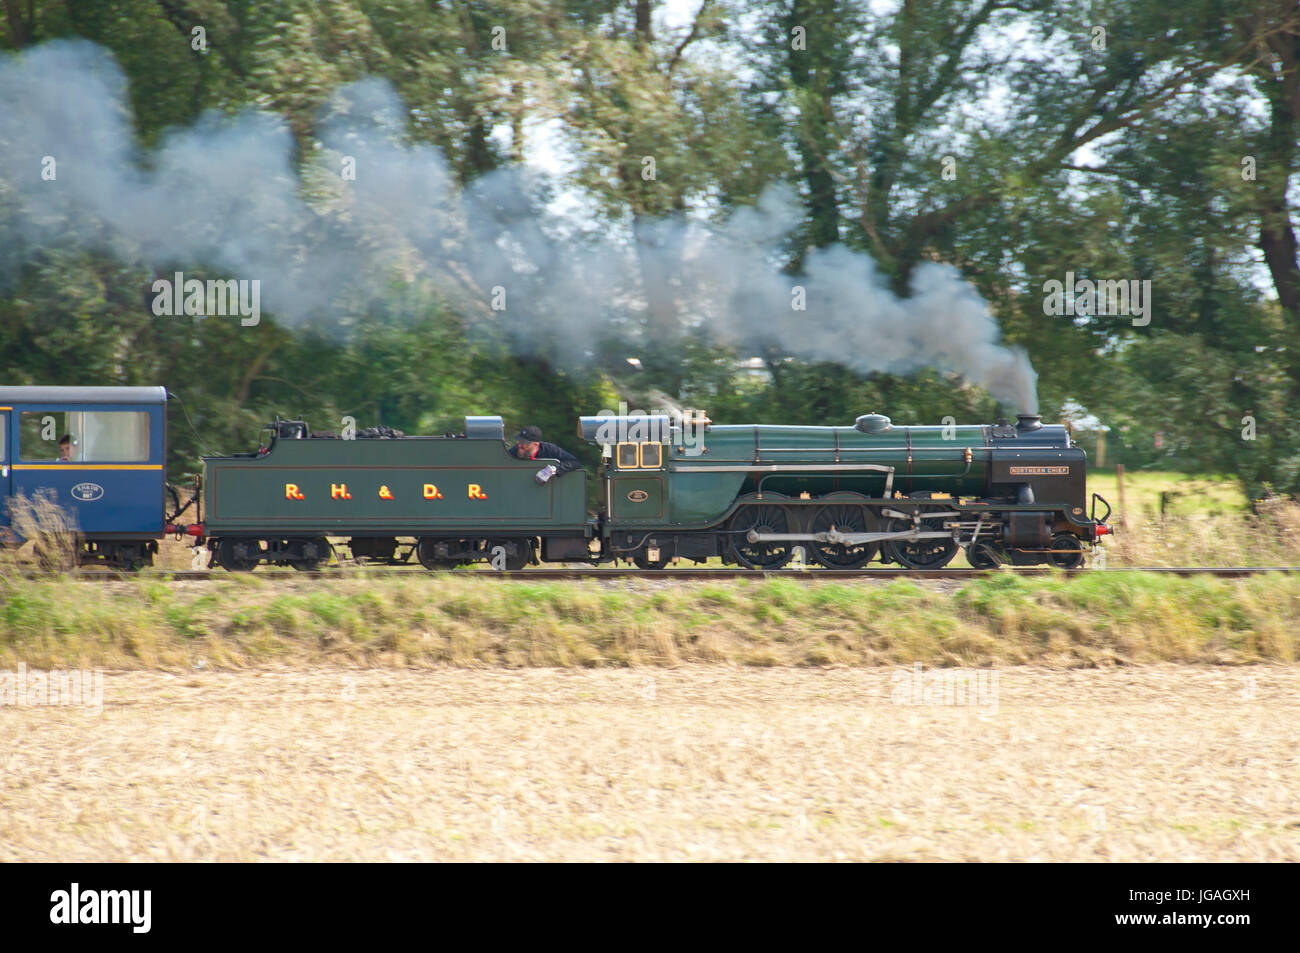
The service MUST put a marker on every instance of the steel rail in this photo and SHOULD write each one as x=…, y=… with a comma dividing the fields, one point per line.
x=810, y=574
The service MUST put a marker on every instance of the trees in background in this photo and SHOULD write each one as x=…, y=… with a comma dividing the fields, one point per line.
x=1015, y=139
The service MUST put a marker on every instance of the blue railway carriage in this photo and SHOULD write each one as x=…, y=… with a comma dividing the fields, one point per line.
x=96, y=452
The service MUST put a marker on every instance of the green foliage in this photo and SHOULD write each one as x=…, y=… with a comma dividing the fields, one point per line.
x=1122, y=162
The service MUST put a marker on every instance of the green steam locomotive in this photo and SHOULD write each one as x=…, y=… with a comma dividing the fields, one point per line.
x=670, y=489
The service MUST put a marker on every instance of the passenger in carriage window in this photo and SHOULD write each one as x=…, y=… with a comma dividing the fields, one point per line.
x=66, y=450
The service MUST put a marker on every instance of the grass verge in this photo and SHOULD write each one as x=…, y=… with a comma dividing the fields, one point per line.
x=454, y=619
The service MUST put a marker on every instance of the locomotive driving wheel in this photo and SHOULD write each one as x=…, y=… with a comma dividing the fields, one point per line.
x=933, y=553
x=846, y=518
x=760, y=519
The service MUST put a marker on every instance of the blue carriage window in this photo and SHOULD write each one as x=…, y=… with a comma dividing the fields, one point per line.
x=84, y=436
x=39, y=432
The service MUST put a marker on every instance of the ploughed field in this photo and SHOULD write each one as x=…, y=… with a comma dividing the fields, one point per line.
x=694, y=762
x=1122, y=716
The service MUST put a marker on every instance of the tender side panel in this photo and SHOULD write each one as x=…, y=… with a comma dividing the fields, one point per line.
x=408, y=487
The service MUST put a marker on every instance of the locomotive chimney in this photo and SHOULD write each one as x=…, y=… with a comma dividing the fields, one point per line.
x=1028, y=422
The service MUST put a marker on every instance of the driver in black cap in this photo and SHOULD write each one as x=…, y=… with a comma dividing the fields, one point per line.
x=529, y=445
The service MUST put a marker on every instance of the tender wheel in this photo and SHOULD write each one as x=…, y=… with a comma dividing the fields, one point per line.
x=761, y=519
x=847, y=519
x=310, y=553
x=645, y=562
x=424, y=552
x=934, y=553
x=240, y=554
x=985, y=556
x=1067, y=551
x=509, y=555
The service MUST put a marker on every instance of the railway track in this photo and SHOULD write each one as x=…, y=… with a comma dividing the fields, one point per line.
x=800, y=575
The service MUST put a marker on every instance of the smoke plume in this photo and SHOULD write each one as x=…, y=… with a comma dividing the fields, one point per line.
x=230, y=194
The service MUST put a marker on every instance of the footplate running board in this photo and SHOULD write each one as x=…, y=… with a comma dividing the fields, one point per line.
x=836, y=538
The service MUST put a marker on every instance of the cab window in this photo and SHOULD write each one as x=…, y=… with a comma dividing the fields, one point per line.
x=652, y=455
x=627, y=456
x=93, y=436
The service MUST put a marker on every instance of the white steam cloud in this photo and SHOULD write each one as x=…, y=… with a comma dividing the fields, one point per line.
x=230, y=194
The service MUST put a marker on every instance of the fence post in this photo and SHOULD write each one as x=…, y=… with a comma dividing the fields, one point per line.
x=1120, y=521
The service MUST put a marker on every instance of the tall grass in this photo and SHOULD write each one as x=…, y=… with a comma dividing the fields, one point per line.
x=42, y=535
x=1270, y=537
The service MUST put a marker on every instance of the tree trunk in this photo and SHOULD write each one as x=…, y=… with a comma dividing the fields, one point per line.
x=644, y=33
x=810, y=72
x=1277, y=238
x=19, y=31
